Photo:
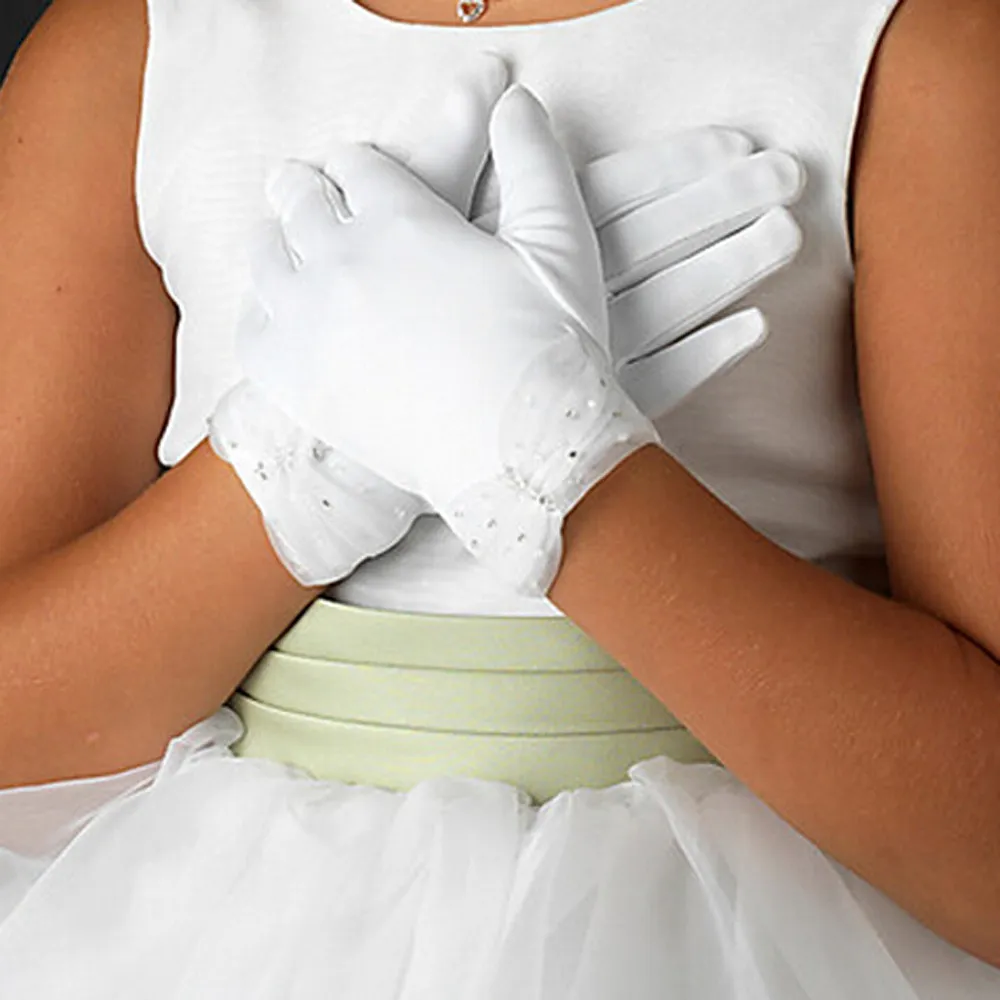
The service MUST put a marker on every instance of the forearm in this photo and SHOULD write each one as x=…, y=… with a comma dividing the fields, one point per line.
x=871, y=727
x=112, y=644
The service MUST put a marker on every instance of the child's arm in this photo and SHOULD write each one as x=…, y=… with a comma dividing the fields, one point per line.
x=130, y=607
x=871, y=725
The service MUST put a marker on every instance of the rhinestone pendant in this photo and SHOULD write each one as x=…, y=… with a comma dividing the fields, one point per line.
x=470, y=10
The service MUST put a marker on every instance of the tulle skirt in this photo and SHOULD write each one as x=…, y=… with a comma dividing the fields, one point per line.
x=239, y=879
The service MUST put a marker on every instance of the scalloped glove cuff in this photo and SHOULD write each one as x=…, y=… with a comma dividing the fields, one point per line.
x=568, y=426
x=323, y=512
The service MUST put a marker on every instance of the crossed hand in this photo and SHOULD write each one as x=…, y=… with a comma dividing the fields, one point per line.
x=402, y=359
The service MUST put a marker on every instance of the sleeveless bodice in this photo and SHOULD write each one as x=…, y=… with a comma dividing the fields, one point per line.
x=235, y=86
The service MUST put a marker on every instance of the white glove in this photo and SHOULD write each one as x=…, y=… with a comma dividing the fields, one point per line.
x=662, y=204
x=688, y=224
x=677, y=261
x=324, y=513
x=467, y=368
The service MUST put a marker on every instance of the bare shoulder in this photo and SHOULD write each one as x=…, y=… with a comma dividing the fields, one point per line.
x=80, y=50
x=927, y=237
x=85, y=326
x=932, y=93
x=75, y=88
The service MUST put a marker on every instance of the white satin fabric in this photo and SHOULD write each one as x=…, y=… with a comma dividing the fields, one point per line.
x=470, y=368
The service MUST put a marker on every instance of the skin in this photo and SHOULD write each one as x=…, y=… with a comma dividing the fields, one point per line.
x=873, y=726
x=129, y=606
x=497, y=11
x=133, y=609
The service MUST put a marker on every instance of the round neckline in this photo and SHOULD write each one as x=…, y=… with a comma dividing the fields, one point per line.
x=363, y=13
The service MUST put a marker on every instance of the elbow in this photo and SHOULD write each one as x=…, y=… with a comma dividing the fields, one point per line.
x=967, y=910
x=986, y=938
x=984, y=942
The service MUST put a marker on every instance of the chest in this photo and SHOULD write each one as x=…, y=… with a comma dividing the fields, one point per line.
x=233, y=87
x=263, y=81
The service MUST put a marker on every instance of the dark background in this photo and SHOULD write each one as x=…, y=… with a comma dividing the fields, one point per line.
x=16, y=19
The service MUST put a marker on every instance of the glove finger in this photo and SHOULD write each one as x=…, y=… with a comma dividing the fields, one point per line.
x=307, y=204
x=368, y=178
x=252, y=337
x=542, y=212
x=661, y=382
x=252, y=319
x=667, y=230
x=615, y=184
x=679, y=299
x=270, y=260
x=628, y=178
x=450, y=155
x=272, y=280
x=537, y=182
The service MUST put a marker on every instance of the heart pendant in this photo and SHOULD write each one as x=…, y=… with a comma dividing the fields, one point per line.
x=470, y=10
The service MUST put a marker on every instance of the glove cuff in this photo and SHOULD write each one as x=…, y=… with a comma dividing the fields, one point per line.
x=324, y=513
x=568, y=425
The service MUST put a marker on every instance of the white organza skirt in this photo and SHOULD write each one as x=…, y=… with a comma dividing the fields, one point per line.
x=239, y=879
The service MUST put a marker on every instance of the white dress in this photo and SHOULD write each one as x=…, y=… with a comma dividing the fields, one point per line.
x=207, y=876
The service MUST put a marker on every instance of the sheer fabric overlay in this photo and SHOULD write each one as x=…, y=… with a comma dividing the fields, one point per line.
x=222, y=878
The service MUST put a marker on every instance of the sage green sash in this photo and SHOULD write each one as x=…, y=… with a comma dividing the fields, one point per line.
x=389, y=699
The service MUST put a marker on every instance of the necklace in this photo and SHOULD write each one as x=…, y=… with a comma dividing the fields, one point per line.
x=469, y=11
